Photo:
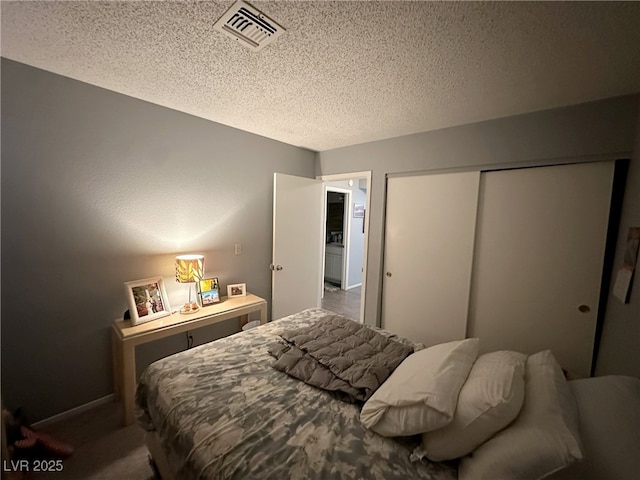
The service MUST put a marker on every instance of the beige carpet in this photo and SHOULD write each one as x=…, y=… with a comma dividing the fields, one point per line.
x=104, y=450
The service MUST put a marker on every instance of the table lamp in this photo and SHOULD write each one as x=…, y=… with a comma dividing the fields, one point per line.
x=189, y=269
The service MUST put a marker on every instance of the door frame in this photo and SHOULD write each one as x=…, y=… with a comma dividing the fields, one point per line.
x=353, y=176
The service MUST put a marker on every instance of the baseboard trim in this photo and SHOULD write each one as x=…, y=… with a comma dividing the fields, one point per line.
x=354, y=286
x=74, y=411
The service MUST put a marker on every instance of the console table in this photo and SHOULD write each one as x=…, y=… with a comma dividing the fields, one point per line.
x=125, y=337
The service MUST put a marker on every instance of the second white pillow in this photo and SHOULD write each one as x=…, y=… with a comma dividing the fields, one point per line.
x=489, y=400
x=422, y=392
x=543, y=439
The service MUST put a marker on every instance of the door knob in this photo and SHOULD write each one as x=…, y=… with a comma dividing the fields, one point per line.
x=278, y=267
x=388, y=274
x=584, y=308
x=275, y=267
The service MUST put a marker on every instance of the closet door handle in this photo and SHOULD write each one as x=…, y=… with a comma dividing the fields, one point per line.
x=389, y=274
x=584, y=308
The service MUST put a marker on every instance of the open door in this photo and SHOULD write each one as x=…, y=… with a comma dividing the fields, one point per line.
x=297, y=244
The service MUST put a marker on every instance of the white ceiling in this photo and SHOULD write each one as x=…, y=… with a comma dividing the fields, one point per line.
x=343, y=73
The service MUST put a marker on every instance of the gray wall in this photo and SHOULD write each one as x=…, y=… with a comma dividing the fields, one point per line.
x=98, y=189
x=599, y=130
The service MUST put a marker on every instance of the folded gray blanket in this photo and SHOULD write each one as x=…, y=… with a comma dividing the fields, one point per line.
x=347, y=359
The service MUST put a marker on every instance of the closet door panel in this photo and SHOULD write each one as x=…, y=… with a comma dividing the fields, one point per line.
x=429, y=236
x=538, y=261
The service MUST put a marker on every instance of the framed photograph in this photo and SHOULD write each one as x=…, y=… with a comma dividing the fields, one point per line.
x=147, y=299
x=237, y=290
x=358, y=210
x=209, y=291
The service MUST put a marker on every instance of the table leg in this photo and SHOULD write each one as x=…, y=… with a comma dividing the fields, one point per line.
x=263, y=313
x=128, y=383
x=244, y=319
x=116, y=353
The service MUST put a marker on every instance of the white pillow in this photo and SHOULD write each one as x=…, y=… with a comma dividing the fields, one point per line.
x=422, y=392
x=542, y=440
x=489, y=400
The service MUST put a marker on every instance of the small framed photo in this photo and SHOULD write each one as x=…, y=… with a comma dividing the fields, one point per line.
x=147, y=300
x=237, y=290
x=209, y=291
x=358, y=210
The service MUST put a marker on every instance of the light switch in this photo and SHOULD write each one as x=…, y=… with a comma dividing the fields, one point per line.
x=238, y=249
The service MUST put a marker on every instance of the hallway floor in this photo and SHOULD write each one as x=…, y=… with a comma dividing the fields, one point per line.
x=344, y=302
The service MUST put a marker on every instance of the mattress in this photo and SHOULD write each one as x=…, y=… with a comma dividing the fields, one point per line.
x=221, y=411
x=609, y=409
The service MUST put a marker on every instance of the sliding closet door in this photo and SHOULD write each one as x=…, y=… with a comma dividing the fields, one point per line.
x=429, y=234
x=538, y=262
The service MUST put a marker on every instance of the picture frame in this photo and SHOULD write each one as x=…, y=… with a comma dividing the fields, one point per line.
x=358, y=210
x=209, y=291
x=147, y=300
x=237, y=290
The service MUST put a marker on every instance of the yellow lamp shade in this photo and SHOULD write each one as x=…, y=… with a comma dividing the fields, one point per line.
x=189, y=268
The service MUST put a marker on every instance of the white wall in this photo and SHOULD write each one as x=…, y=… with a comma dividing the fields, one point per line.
x=598, y=130
x=97, y=189
x=356, y=247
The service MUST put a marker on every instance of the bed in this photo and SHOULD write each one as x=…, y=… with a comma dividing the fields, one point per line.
x=222, y=411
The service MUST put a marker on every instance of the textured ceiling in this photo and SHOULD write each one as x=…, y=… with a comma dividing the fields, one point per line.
x=344, y=72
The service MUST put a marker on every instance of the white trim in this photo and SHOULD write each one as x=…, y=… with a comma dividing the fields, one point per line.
x=336, y=177
x=357, y=175
x=346, y=239
x=74, y=411
x=354, y=286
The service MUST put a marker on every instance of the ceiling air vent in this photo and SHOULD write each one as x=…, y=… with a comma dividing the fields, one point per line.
x=249, y=26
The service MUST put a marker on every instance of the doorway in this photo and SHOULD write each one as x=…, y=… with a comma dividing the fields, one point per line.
x=345, y=247
x=336, y=252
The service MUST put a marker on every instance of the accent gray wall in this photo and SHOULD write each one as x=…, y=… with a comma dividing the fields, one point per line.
x=598, y=130
x=97, y=189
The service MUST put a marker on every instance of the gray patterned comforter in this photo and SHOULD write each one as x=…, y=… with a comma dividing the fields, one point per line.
x=223, y=412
